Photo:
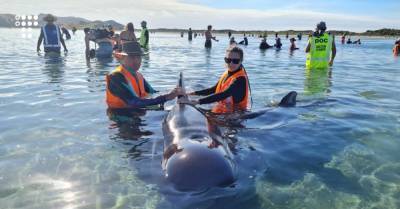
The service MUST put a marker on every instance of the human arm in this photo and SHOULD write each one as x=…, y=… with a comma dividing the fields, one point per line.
x=87, y=46
x=333, y=53
x=62, y=42
x=148, y=88
x=236, y=90
x=205, y=92
x=39, y=40
x=308, y=47
x=120, y=88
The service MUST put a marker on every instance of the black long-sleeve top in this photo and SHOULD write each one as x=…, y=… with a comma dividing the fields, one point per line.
x=237, y=90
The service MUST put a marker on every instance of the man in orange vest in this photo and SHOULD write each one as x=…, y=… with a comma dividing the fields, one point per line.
x=232, y=91
x=126, y=86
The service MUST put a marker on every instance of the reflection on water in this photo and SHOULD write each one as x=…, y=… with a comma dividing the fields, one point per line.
x=54, y=68
x=129, y=123
x=317, y=82
x=338, y=149
x=145, y=61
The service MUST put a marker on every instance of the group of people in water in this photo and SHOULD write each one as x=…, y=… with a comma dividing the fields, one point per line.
x=109, y=42
x=127, y=87
x=358, y=41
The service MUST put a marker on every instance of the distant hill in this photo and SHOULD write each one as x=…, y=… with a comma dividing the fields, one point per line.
x=383, y=32
x=8, y=20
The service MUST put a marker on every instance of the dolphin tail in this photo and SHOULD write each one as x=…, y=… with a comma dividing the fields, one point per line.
x=289, y=100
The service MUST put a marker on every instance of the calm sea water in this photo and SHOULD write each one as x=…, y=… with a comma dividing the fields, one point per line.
x=339, y=148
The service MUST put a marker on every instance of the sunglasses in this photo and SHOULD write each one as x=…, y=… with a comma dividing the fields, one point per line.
x=234, y=61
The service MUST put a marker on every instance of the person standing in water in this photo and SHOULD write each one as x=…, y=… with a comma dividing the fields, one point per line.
x=209, y=36
x=144, y=36
x=396, y=48
x=128, y=34
x=66, y=32
x=292, y=44
x=264, y=44
x=232, y=92
x=190, y=34
x=74, y=30
x=343, y=39
x=126, y=88
x=51, y=34
x=278, y=43
x=321, y=49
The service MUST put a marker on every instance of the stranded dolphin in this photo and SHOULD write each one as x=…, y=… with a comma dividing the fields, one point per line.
x=196, y=157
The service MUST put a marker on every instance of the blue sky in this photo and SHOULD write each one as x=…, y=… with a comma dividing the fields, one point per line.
x=356, y=15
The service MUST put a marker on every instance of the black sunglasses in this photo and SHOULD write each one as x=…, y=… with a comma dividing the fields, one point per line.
x=234, y=61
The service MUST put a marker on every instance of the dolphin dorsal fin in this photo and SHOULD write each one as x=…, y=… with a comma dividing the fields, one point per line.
x=181, y=84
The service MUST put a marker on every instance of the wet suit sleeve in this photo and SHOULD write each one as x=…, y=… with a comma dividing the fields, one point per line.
x=206, y=92
x=119, y=87
x=148, y=88
x=237, y=90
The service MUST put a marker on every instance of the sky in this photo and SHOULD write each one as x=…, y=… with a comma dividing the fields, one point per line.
x=355, y=15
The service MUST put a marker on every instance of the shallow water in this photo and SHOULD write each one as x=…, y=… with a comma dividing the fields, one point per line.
x=339, y=148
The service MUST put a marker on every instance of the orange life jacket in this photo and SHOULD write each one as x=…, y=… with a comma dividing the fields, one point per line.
x=136, y=82
x=396, y=49
x=227, y=105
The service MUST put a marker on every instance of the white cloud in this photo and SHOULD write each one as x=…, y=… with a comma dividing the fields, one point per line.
x=175, y=14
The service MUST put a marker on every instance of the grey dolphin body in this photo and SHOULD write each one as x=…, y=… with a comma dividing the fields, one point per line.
x=195, y=156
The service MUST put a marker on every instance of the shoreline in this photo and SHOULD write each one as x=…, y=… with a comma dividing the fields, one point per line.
x=241, y=33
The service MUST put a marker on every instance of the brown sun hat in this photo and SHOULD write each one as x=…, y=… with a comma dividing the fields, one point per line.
x=49, y=18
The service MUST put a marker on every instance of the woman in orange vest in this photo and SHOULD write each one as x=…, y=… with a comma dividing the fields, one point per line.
x=126, y=86
x=396, y=48
x=232, y=91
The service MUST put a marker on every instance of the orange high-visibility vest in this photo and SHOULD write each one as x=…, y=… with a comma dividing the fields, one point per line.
x=227, y=105
x=136, y=82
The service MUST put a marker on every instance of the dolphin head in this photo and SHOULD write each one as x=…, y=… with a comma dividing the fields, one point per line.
x=198, y=166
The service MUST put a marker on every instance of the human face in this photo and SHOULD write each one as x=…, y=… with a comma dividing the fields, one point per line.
x=133, y=62
x=232, y=56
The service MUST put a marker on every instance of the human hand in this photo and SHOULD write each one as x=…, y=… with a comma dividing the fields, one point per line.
x=184, y=100
x=172, y=94
x=331, y=63
x=38, y=49
x=65, y=50
x=180, y=91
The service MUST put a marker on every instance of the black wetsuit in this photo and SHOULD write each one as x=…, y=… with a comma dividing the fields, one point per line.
x=237, y=90
x=190, y=35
